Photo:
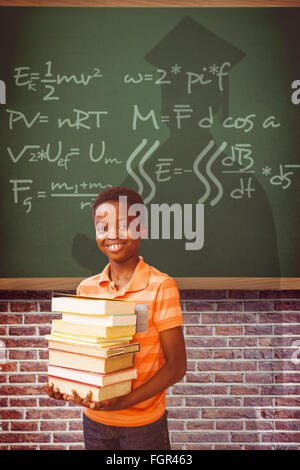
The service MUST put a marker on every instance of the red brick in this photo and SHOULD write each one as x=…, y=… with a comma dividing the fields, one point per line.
x=198, y=330
x=23, y=307
x=22, y=378
x=228, y=318
x=25, y=294
x=229, y=425
x=287, y=377
x=280, y=414
x=227, y=413
x=44, y=354
x=33, y=366
x=200, y=437
x=286, y=353
x=229, y=306
x=3, y=331
x=183, y=413
x=24, y=342
x=288, y=425
x=173, y=401
x=279, y=318
x=280, y=390
x=67, y=437
x=232, y=401
x=76, y=447
x=243, y=294
x=53, y=426
x=281, y=437
x=23, y=447
x=202, y=294
x=194, y=447
x=31, y=402
x=23, y=426
x=244, y=437
x=226, y=365
x=23, y=437
x=205, y=342
x=199, y=306
x=259, y=447
x=259, y=425
x=198, y=377
x=44, y=330
x=280, y=294
x=287, y=305
x=229, y=378
x=21, y=390
x=8, y=367
x=228, y=447
x=77, y=425
x=190, y=319
x=41, y=318
x=195, y=353
x=243, y=390
x=277, y=365
x=10, y=319
x=3, y=402
x=3, y=306
x=63, y=413
x=229, y=330
x=258, y=353
x=227, y=354
x=50, y=402
x=45, y=306
x=258, y=306
x=242, y=342
x=287, y=401
x=199, y=389
x=198, y=401
x=287, y=330
x=199, y=425
x=22, y=330
x=172, y=425
x=259, y=378
x=22, y=354
x=11, y=414
x=258, y=330
x=54, y=447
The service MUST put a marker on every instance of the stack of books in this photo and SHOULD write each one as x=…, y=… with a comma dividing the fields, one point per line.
x=90, y=349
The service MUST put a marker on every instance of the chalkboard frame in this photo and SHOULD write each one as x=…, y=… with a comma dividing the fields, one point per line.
x=189, y=283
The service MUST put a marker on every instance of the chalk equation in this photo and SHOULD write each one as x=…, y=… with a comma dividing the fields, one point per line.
x=165, y=170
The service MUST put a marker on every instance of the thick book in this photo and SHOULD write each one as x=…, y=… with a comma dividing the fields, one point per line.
x=105, y=320
x=90, y=363
x=91, y=305
x=92, y=378
x=90, y=340
x=98, y=393
x=97, y=350
x=100, y=331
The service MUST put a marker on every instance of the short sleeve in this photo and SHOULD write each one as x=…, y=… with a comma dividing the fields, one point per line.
x=167, y=311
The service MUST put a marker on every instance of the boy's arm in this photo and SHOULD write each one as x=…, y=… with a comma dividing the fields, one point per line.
x=172, y=341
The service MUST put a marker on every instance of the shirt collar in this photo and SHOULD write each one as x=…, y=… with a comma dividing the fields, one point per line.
x=139, y=279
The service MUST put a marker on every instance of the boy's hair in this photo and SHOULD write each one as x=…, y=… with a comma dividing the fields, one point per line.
x=112, y=194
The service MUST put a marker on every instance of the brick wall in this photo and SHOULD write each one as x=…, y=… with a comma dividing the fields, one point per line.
x=241, y=390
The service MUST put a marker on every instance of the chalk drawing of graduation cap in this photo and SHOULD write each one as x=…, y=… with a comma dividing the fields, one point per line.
x=195, y=48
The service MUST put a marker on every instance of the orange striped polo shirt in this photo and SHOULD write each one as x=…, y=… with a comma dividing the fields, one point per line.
x=147, y=286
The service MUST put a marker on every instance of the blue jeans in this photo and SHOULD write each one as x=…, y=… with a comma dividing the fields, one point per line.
x=153, y=436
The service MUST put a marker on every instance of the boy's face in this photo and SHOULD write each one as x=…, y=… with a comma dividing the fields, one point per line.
x=112, y=224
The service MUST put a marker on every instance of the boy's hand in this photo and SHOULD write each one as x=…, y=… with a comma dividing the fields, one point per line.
x=55, y=393
x=114, y=404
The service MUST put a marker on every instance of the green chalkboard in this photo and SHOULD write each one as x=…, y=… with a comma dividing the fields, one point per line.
x=184, y=105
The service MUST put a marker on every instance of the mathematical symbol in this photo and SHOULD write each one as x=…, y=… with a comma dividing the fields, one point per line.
x=41, y=194
x=43, y=118
x=165, y=118
x=148, y=77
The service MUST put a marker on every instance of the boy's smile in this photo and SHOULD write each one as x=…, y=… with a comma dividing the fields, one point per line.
x=113, y=234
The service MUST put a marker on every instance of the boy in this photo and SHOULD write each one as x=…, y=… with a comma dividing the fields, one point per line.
x=136, y=420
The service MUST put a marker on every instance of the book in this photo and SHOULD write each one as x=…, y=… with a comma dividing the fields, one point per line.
x=99, y=331
x=108, y=350
x=90, y=340
x=91, y=305
x=98, y=393
x=105, y=320
x=92, y=378
x=90, y=363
